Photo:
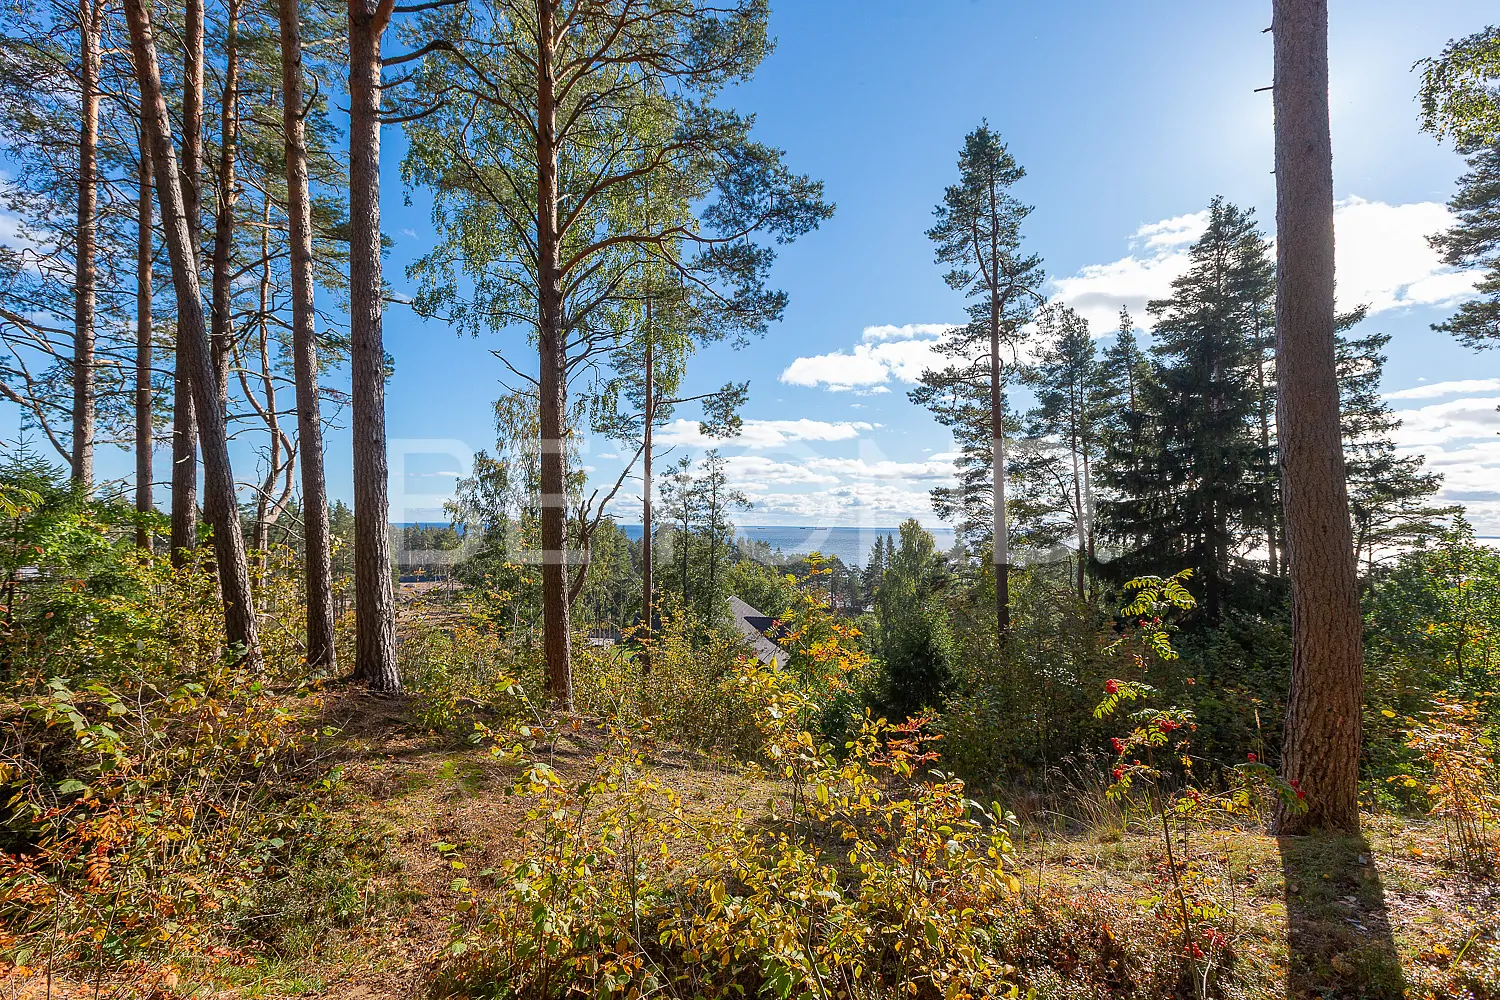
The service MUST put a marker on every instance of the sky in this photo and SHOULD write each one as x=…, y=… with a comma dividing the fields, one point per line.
x=1128, y=118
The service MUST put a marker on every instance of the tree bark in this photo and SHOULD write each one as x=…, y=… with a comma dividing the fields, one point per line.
x=1321, y=753
x=184, y=531
x=553, y=388
x=997, y=461
x=221, y=327
x=85, y=272
x=317, y=541
x=649, y=418
x=229, y=544
x=374, y=603
x=144, y=476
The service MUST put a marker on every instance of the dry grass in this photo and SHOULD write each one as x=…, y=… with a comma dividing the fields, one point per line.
x=1372, y=916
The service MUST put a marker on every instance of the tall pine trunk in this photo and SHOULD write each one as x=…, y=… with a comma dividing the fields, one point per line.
x=1080, y=520
x=317, y=541
x=184, y=531
x=85, y=273
x=144, y=475
x=997, y=456
x=193, y=347
x=553, y=387
x=374, y=603
x=221, y=330
x=1321, y=752
x=649, y=417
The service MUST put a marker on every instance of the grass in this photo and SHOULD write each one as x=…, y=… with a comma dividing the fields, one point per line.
x=1371, y=916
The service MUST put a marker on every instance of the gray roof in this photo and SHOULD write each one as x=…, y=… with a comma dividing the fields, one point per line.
x=753, y=626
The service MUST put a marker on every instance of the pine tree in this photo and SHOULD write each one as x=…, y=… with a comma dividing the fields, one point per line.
x=219, y=487
x=1474, y=243
x=978, y=233
x=566, y=110
x=1321, y=748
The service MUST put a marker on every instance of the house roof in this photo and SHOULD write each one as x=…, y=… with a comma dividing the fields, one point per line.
x=757, y=629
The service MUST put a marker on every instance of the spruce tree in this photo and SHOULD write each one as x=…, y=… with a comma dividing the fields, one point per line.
x=1064, y=428
x=1125, y=423
x=1390, y=494
x=1191, y=495
x=913, y=641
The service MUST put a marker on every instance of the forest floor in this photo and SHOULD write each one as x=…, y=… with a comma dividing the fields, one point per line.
x=1370, y=916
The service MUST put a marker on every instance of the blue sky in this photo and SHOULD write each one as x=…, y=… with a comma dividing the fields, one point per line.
x=1128, y=119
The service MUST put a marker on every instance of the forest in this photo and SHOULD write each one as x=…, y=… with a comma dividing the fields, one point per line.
x=1187, y=687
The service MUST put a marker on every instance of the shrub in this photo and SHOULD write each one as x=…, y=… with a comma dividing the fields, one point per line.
x=874, y=876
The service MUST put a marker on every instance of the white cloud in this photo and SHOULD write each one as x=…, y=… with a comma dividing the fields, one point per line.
x=764, y=433
x=1178, y=231
x=1442, y=424
x=908, y=331
x=1098, y=291
x=900, y=353
x=866, y=503
x=935, y=468
x=1437, y=390
x=755, y=471
x=1383, y=261
x=1460, y=439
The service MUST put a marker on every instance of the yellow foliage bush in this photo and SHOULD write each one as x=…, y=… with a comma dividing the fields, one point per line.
x=873, y=876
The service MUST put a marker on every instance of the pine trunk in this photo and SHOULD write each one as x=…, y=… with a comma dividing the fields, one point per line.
x=144, y=475
x=193, y=347
x=1321, y=753
x=184, y=531
x=317, y=541
x=649, y=419
x=553, y=388
x=85, y=272
x=374, y=603
x=997, y=454
x=221, y=330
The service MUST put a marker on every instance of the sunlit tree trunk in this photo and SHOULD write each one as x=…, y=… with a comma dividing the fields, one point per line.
x=553, y=388
x=221, y=330
x=184, y=531
x=374, y=603
x=649, y=419
x=997, y=446
x=85, y=274
x=144, y=474
x=1321, y=752
x=317, y=545
x=193, y=347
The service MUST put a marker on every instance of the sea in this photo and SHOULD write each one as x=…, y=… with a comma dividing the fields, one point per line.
x=852, y=544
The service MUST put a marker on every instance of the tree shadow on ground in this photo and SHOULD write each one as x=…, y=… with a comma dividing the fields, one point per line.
x=1339, y=938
